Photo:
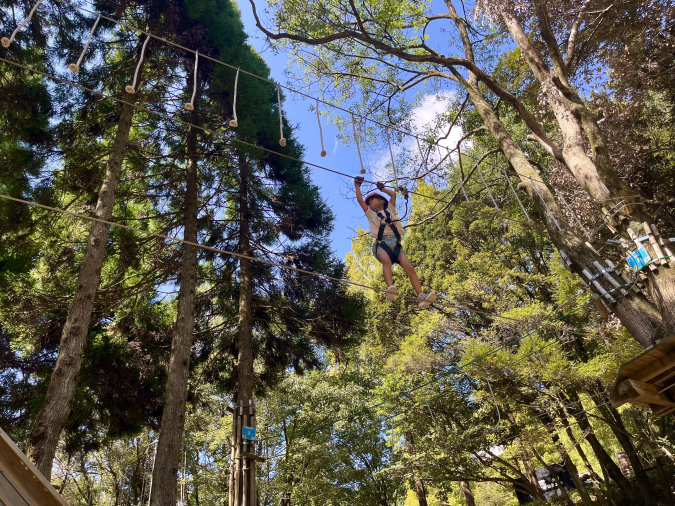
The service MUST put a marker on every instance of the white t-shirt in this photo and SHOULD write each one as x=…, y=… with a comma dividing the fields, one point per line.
x=374, y=221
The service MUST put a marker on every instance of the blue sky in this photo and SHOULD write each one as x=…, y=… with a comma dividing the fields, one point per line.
x=334, y=188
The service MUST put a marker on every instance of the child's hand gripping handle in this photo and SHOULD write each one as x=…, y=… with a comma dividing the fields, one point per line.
x=358, y=181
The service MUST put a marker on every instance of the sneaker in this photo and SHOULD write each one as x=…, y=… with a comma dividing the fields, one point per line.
x=391, y=293
x=426, y=299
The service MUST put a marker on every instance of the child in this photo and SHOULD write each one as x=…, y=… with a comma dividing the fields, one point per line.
x=386, y=228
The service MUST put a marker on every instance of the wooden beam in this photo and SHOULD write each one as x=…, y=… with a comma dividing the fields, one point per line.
x=23, y=478
x=645, y=393
x=252, y=456
x=656, y=367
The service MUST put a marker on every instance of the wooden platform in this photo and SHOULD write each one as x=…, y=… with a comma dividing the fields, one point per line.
x=648, y=380
x=21, y=484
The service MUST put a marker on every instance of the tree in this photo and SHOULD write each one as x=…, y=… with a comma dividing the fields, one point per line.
x=341, y=36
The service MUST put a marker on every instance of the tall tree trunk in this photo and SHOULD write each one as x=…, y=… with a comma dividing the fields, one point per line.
x=619, y=430
x=165, y=473
x=467, y=493
x=245, y=377
x=597, y=176
x=576, y=410
x=53, y=414
x=640, y=317
x=567, y=461
x=420, y=491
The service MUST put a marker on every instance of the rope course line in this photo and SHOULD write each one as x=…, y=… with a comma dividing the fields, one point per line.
x=132, y=87
x=7, y=42
x=192, y=125
x=220, y=62
x=75, y=67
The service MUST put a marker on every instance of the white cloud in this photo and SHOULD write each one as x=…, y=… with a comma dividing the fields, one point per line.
x=335, y=146
x=425, y=116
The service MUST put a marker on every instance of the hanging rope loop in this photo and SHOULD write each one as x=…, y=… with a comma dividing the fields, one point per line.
x=318, y=119
x=132, y=87
x=190, y=106
x=75, y=67
x=5, y=41
x=282, y=140
x=358, y=148
x=391, y=154
x=233, y=122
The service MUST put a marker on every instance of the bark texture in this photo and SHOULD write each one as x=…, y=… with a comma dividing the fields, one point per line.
x=245, y=377
x=165, y=473
x=467, y=493
x=53, y=414
x=421, y=492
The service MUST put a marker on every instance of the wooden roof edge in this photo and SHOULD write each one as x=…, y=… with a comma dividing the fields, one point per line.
x=29, y=472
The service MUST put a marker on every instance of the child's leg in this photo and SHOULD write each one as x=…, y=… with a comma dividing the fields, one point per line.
x=410, y=271
x=386, y=267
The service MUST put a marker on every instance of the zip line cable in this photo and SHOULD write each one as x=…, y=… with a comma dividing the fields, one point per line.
x=238, y=255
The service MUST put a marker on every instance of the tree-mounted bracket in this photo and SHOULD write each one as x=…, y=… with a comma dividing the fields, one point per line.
x=648, y=380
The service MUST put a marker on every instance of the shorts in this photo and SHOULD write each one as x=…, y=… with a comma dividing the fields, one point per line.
x=390, y=240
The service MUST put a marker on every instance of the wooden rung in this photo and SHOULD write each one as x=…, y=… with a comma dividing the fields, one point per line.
x=663, y=377
x=655, y=244
x=253, y=457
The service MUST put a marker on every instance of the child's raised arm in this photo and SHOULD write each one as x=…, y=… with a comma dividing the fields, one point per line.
x=391, y=193
x=359, y=198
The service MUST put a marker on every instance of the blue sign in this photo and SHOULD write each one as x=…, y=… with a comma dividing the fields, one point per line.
x=248, y=432
x=638, y=258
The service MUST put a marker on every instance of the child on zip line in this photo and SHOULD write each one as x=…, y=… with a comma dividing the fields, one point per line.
x=386, y=228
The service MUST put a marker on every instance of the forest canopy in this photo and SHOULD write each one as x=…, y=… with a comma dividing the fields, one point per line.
x=168, y=281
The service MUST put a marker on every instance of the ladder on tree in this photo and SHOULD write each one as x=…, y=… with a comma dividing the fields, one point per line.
x=243, y=490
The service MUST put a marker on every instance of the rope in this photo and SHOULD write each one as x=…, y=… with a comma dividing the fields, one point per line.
x=527, y=216
x=219, y=62
x=75, y=67
x=576, y=219
x=190, y=106
x=190, y=243
x=234, y=123
x=318, y=119
x=358, y=148
x=499, y=211
x=548, y=210
x=393, y=163
x=5, y=41
x=132, y=88
x=282, y=141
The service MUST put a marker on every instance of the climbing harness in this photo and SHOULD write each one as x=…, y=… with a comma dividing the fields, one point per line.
x=131, y=89
x=75, y=67
x=387, y=221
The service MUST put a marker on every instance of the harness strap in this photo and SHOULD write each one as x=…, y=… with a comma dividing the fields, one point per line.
x=393, y=255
